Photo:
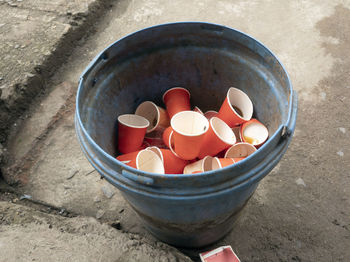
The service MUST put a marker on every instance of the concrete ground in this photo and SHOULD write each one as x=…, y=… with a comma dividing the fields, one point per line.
x=36, y=38
x=300, y=211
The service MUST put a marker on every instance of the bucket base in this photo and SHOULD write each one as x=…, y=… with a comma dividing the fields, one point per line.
x=192, y=236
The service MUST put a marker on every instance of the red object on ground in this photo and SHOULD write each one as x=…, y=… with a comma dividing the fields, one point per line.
x=221, y=254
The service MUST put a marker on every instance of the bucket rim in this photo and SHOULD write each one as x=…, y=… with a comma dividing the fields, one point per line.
x=288, y=123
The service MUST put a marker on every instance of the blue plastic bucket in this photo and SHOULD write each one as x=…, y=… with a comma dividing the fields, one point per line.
x=184, y=210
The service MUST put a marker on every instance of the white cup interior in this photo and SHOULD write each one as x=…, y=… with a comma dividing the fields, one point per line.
x=202, y=165
x=134, y=121
x=240, y=150
x=257, y=132
x=215, y=164
x=207, y=163
x=240, y=100
x=157, y=151
x=189, y=123
x=223, y=131
x=149, y=161
x=150, y=111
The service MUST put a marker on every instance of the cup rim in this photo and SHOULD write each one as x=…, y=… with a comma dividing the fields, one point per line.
x=171, y=146
x=229, y=103
x=159, y=152
x=245, y=143
x=217, y=135
x=202, y=165
x=176, y=88
x=134, y=116
x=158, y=115
x=253, y=120
x=189, y=135
x=218, y=162
x=216, y=159
x=138, y=156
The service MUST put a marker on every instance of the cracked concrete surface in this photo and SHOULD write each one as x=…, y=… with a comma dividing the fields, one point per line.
x=300, y=212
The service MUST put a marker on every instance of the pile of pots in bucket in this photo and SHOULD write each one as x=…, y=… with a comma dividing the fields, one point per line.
x=179, y=140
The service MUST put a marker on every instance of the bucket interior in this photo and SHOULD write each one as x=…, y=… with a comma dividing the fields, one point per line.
x=205, y=59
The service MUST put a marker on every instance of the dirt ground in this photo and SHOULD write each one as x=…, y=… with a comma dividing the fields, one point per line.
x=300, y=211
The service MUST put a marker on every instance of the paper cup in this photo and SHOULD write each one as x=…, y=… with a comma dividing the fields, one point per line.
x=237, y=131
x=157, y=116
x=131, y=132
x=172, y=164
x=254, y=132
x=149, y=161
x=176, y=99
x=196, y=109
x=129, y=158
x=209, y=114
x=157, y=151
x=237, y=159
x=166, y=136
x=218, y=163
x=240, y=150
x=220, y=254
x=189, y=131
x=144, y=161
x=199, y=166
x=237, y=108
x=218, y=138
